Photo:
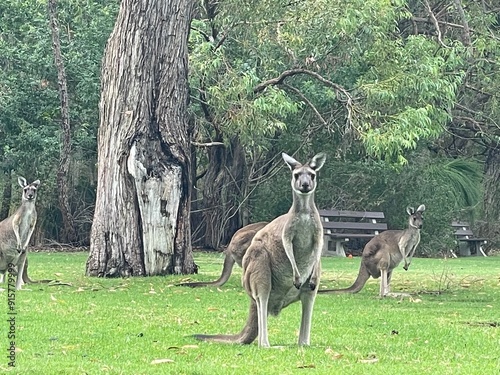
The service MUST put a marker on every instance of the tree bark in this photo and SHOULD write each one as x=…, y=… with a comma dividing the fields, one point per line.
x=6, y=196
x=491, y=201
x=142, y=215
x=224, y=187
x=69, y=233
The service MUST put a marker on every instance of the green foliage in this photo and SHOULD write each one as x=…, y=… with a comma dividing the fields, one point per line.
x=29, y=120
x=404, y=89
x=450, y=189
x=408, y=90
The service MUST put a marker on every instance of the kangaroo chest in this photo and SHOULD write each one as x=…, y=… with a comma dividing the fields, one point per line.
x=305, y=231
x=412, y=239
x=27, y=221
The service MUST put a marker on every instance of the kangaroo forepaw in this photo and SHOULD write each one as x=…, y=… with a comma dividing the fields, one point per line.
x=296, y=282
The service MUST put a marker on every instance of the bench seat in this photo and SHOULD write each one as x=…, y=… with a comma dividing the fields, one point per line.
x=340, y=226
x=467, y=242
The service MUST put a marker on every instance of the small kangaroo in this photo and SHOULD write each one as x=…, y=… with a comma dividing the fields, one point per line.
x=384, y=252
x=282, y=264
x=234, y=254
x=16, y=231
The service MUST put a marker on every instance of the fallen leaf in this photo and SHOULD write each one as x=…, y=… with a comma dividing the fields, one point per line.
x=53, y=298
x=369, y=360
x=163, y=360
x=333, y=354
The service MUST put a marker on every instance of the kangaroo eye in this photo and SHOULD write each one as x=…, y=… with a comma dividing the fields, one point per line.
x=313, y=176
x=296, y=176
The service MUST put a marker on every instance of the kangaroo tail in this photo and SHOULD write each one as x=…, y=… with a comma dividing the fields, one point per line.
x=358, y=284
x=247, y=335
x=226, y=272
x=26, y=278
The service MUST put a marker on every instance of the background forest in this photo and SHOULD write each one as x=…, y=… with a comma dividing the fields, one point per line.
x=401, y=95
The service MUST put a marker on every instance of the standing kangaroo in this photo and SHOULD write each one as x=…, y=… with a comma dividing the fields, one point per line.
x=16, y=231
x=385, y=251
x=282, y=264
x=234, y=254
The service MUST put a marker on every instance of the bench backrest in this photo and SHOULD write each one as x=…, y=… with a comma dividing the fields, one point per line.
x=462, y=229
x=351, y=214
x=343, y=221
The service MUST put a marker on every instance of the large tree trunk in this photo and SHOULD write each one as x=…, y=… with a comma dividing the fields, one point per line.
x=69, y=233
x=491, y=229
x=6, y=196
x=141, y=221
x=223, y=192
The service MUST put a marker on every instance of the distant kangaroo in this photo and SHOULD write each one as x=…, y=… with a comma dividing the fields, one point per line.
x=234, y=254
x=384, y=252
x=282, y=264
x=16, y=231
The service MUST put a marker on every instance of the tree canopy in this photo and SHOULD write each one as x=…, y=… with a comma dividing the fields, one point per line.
x=401, y=95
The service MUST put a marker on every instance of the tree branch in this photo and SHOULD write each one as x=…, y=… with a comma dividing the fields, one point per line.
x=207, y=144
x=466, y=29
x=307, y=101
x=436, y=24
x=342, y=94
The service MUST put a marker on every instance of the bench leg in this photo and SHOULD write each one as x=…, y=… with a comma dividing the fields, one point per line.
x=326, y=242
x=339, y=249
x=464, y=249
x=479, y=249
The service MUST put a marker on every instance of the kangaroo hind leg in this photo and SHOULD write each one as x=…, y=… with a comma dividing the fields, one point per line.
x=307, y=298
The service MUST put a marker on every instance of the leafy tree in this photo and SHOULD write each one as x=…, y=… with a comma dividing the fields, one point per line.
x=360, y=88
x=30, y=117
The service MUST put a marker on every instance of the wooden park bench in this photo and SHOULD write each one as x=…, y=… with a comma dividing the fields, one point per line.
x=467, y=243
x=341, y=226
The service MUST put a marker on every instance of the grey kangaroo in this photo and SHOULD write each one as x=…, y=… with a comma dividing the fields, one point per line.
x=16, y=231
x=282, y=264
x=385, y=251
x=234, y=254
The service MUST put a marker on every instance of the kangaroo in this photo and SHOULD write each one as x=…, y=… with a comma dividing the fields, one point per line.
x=282, y=264
x=384, y=252
x=16, y=231
x=234, y=254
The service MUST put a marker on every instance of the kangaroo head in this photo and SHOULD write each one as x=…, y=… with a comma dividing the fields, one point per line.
x=304, y=175
x=29, y=190
x=416, y=219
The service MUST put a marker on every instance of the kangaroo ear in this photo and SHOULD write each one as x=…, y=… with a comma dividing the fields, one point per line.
x=22, y=181
x=292, y=163
x=421, y=208
x=36, y=183
x=317, y=161
x=410, y=210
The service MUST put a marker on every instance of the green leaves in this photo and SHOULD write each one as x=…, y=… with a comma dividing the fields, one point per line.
x=408, y=91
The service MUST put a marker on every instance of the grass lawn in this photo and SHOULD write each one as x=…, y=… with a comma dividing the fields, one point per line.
x=451, y=325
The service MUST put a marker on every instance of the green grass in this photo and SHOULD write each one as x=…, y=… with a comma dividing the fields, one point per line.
x=121, y=326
